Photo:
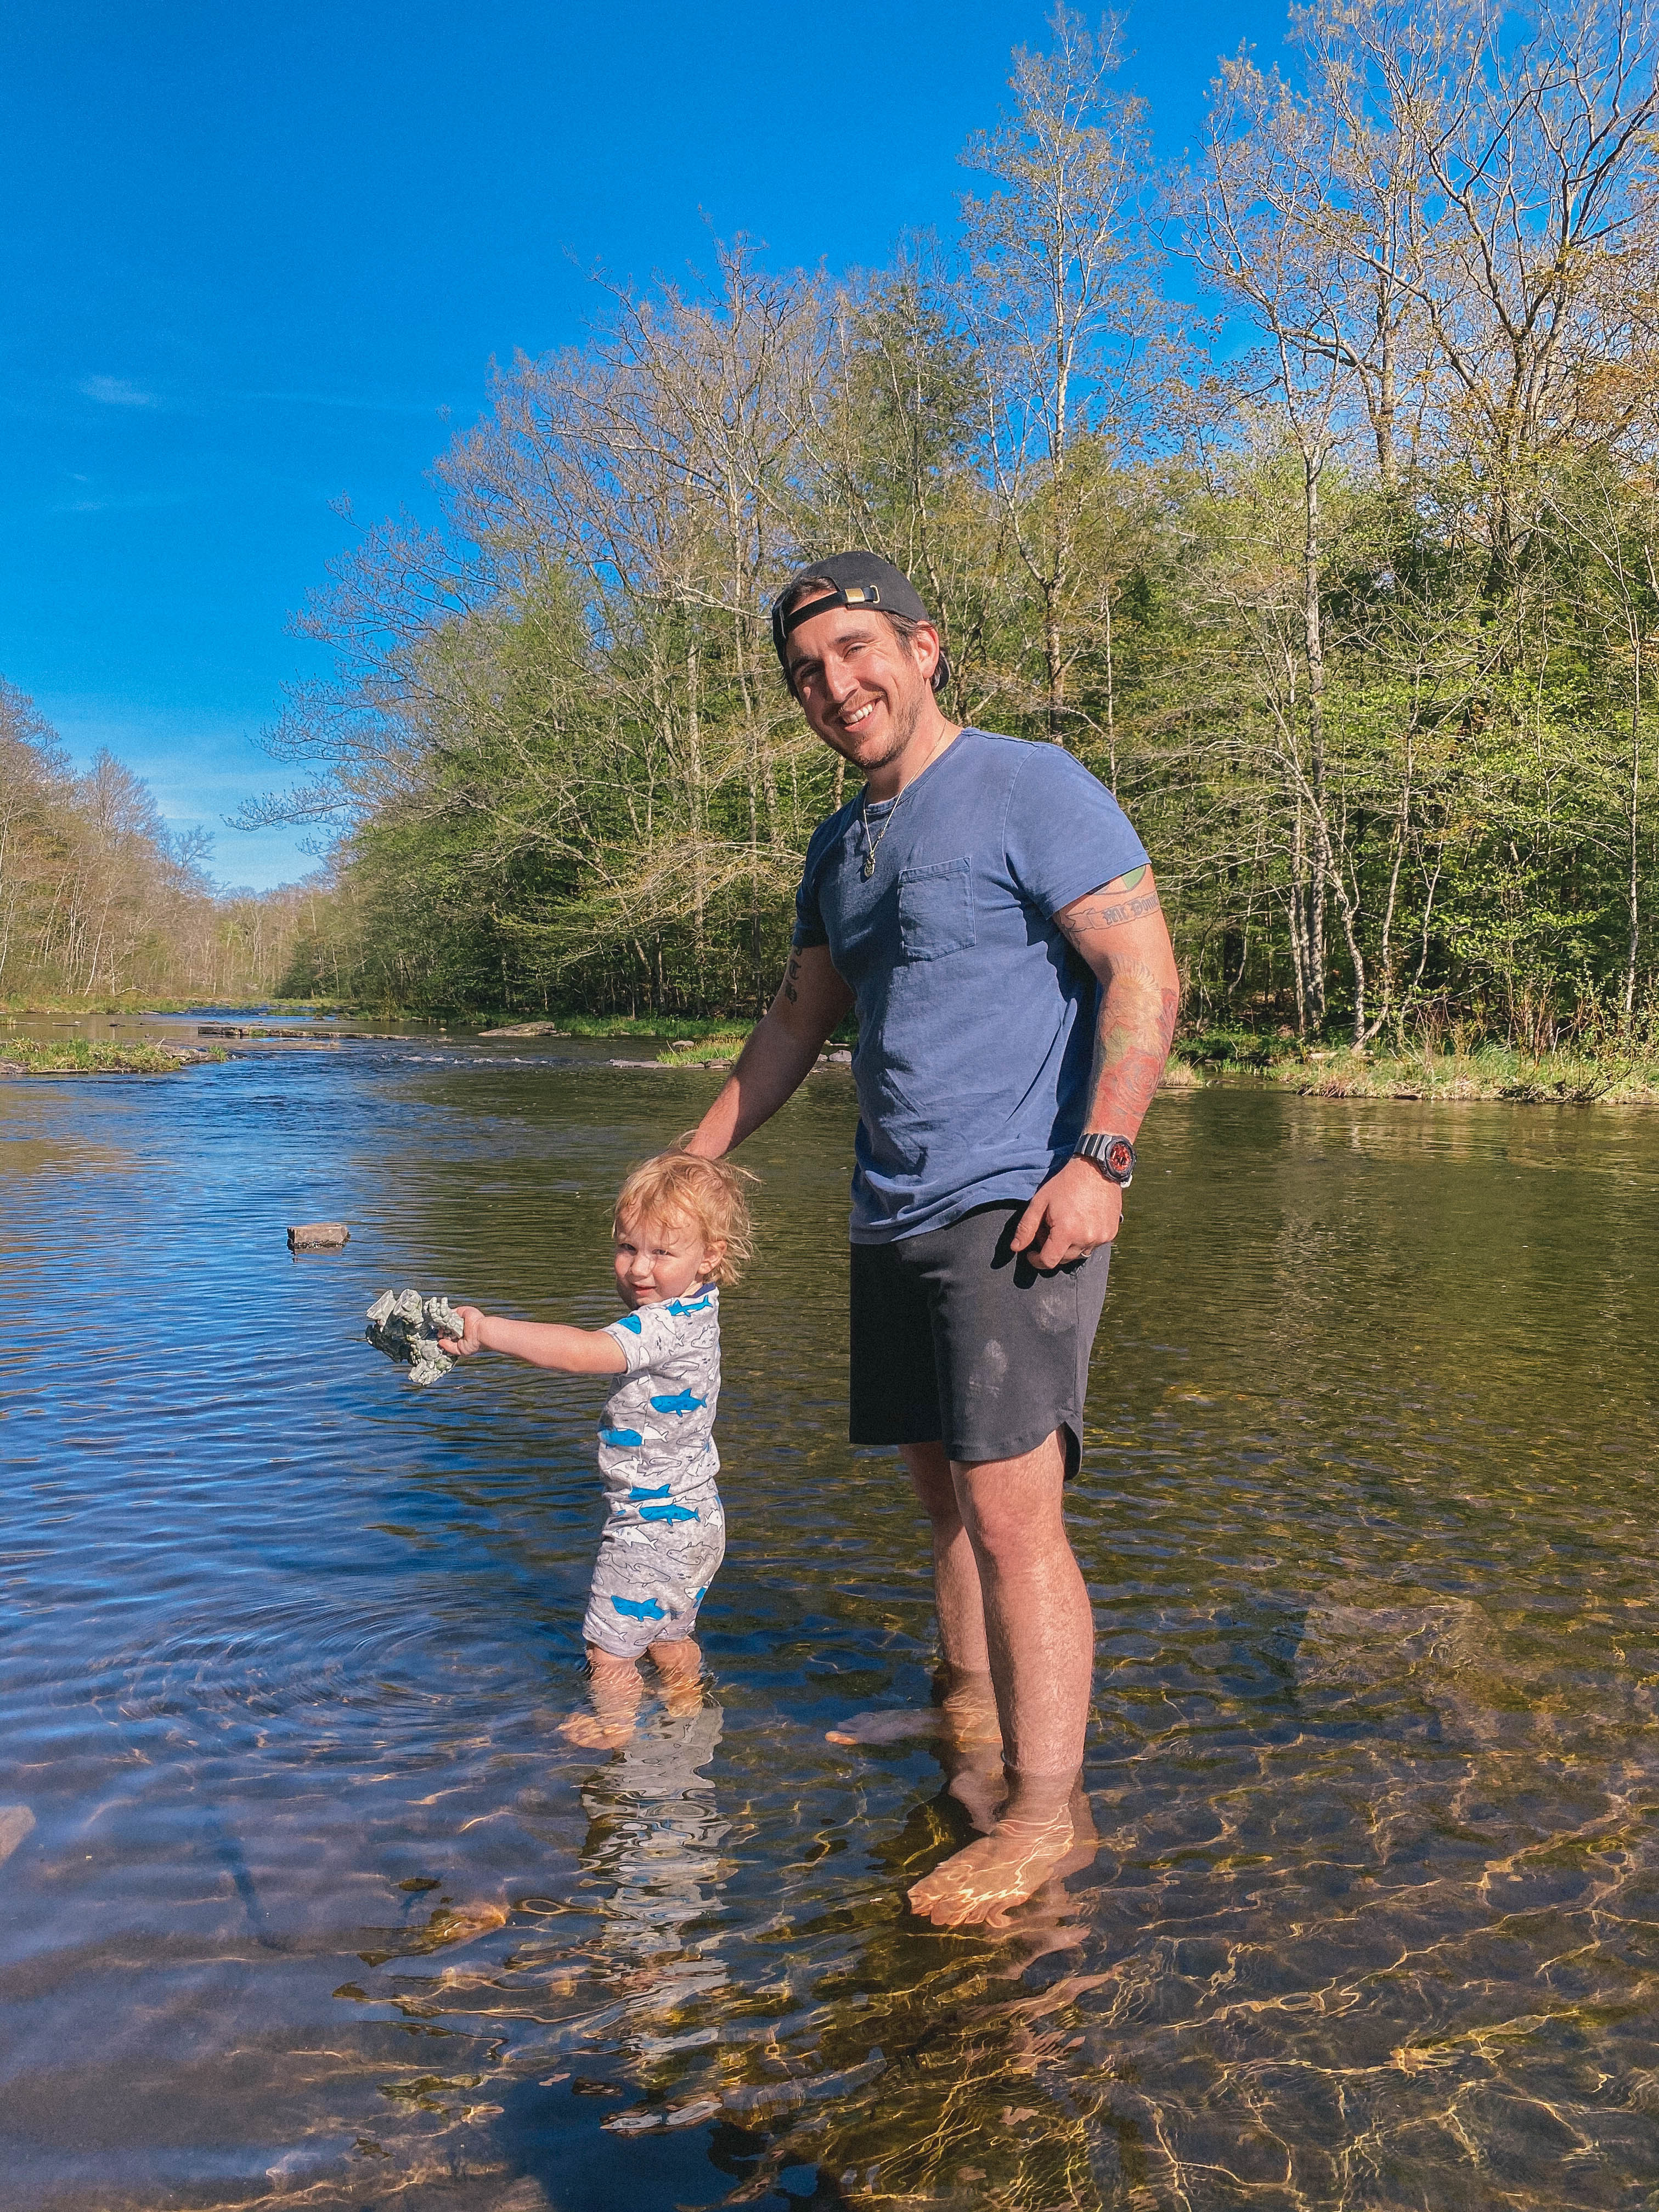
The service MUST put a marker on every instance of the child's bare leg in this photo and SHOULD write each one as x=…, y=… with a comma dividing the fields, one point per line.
x=680, y=1665
x=617, y=1689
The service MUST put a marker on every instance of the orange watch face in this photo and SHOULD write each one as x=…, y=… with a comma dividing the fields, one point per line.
x=1120, y=1156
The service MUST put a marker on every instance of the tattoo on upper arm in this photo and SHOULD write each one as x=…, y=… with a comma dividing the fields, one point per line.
x=1083, y=920
x=1134, y=876
x=790, y=974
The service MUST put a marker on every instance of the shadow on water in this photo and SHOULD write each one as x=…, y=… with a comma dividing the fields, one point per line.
x=308, y=1902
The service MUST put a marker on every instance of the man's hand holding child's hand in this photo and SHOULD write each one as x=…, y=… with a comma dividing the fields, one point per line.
x=463, y=1348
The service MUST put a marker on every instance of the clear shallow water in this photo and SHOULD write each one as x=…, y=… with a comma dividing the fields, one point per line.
x=317, y=1909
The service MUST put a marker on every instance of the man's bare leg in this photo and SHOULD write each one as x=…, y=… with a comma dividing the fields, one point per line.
x=967, y=1714
x=1038, y=1635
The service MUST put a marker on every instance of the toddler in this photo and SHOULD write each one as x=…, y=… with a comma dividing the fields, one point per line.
x=681, y=1231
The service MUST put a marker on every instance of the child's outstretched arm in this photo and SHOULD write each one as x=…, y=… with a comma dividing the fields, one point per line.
x=543, y=1343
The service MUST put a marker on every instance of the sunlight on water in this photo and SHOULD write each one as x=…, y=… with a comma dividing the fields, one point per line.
x=307, y=1900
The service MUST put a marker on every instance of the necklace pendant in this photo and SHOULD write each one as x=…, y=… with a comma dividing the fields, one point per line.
x=869, y=868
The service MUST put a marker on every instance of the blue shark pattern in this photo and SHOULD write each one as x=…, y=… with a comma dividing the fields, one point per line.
x=665, y=1533
x=639, y=1608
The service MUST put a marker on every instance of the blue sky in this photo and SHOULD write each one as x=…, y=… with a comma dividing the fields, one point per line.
x=257, y=259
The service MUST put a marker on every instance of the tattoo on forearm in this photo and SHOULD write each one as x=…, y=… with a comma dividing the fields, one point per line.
x=1136, y=1029
x=1080, y=922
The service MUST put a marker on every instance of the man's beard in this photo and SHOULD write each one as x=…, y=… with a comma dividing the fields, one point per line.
x=907, y=715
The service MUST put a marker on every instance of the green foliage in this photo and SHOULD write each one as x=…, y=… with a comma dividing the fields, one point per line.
x=1358, y=626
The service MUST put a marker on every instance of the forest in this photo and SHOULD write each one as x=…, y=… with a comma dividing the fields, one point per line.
x=100, y=902
x=1309, y=494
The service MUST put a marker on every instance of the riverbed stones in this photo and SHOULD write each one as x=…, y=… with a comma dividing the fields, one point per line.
x=318, y=1236
x=406, y=1327
x=1393, y=1648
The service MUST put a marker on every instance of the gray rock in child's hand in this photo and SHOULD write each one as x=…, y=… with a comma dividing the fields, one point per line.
x=406, y=1327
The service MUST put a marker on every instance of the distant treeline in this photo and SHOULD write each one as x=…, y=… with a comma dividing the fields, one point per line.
x=99, y=900
x=1348, y=595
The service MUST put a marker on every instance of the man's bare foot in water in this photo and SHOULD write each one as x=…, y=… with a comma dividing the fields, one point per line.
x=967, y=1715
x=899, y=1726
x=979, y=1885
x=976, y=1780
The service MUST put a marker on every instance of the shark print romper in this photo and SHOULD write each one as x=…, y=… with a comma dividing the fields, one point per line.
x=665, y=1535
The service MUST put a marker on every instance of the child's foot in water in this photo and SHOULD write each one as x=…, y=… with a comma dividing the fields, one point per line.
x=599, y=1731
x=617, y=1689
x=679, y=1668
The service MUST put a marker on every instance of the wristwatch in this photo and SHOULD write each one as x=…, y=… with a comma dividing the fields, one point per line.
x=1114, y=1156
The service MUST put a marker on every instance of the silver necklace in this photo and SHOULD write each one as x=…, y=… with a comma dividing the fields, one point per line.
x=873, y=845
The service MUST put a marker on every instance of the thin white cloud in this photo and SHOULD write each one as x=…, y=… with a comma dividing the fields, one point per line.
x=119, y=503
x=359, y=403
x=115, y=391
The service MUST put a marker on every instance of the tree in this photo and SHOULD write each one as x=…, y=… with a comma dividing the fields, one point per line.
x=1069, y=334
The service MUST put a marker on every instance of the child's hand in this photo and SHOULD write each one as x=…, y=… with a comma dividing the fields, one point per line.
x=463, y=1348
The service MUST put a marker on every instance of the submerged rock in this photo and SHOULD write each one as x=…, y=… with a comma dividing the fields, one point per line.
x=16, y=1822
x=406, y=1327
x=1398, y=1645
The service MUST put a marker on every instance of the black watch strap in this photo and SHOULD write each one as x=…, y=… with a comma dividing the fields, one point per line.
x=1114, y=1156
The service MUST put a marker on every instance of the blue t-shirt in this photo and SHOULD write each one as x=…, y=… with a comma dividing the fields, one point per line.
x=975, y=1019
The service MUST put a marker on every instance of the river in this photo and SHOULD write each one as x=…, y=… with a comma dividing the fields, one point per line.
x=316, y=1907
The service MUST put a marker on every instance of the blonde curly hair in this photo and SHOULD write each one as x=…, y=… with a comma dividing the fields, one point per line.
x=707, y=1195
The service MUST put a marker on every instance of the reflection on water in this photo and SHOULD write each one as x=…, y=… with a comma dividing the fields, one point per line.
x=653, y=1848
x=307, y=1901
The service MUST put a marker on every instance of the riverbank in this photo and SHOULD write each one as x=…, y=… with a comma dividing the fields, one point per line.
x=135, y=1007
x=1618, y=1073
x=1492, y=1072
x=1489, y=1074
x=81, y=1056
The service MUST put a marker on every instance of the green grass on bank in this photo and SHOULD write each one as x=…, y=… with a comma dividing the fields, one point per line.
x=88, y=1009
x=1620, y=1070
x=722, y=1045
x=80, y=1056
x=1494, y=1071
x=644, y=1025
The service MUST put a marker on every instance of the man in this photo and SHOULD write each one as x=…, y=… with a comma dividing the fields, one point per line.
x=991, y=913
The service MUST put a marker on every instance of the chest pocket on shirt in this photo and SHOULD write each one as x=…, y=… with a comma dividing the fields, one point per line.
x=936, y=909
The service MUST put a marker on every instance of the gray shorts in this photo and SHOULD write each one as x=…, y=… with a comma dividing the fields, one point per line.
x=957, y=1340
x=648, y=1581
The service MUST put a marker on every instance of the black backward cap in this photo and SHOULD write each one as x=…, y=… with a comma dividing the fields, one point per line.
x=860, y=580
